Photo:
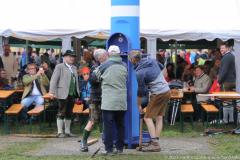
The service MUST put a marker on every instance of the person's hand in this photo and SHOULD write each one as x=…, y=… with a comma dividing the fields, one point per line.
x=140, y=109
x=51, y=96
x=192, y=89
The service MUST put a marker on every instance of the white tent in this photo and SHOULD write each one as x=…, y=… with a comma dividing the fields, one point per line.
x=166, y=19
x=42, y=20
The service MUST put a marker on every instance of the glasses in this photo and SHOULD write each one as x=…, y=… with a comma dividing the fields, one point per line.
x=31, y=68
x=85, y=74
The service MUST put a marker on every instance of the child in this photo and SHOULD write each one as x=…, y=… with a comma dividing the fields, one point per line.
x=85, y=87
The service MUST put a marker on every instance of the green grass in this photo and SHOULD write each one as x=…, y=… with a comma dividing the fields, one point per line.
x=226, y=145
x=223, y=146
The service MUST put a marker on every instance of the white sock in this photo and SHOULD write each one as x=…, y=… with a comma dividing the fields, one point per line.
x=67, y=126
x=60, y=125
x=231, y=112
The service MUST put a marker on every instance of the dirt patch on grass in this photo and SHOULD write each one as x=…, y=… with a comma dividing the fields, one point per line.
x=170, y=146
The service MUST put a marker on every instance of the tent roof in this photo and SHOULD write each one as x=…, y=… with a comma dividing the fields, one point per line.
x=173, y=19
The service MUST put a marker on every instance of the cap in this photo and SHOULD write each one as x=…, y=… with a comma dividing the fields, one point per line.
x=113, y=49
x=69, y=53
x=85, y=70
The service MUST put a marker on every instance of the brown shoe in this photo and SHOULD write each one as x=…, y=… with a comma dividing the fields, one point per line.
x=153, y=147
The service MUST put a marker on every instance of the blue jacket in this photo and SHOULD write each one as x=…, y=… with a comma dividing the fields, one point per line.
x=150, y=76
x=84, y=88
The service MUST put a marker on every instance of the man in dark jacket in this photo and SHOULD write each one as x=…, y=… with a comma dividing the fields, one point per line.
x=149, y=75
x=227, y=71
x=1, y=63
x=227, y=79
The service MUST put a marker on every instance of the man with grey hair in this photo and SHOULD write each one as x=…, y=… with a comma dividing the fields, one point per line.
x=100, y=56
x=113, y=75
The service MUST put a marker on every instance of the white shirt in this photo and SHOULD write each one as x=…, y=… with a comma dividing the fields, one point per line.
x=35, y=91
x=69, y=67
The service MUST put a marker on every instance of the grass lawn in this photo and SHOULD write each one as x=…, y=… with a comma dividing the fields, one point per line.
x=224, y=146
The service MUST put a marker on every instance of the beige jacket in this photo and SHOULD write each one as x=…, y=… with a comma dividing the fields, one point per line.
x=60, y=81
x=28, y=84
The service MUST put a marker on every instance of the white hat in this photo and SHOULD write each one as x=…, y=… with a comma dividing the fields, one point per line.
x=113, y=49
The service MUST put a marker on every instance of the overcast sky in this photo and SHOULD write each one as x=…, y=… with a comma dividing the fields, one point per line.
x=95, y=14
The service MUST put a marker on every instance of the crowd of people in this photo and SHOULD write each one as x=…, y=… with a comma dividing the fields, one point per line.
x=200, y=71
x=100, y=84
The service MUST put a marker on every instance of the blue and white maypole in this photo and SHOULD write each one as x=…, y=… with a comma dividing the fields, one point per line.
x=125, y=22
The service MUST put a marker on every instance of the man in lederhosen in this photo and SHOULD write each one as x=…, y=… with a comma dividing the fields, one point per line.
x=64, y=87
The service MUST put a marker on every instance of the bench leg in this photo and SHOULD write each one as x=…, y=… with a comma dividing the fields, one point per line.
x=207, y=120
x=6, y=125
x=30, y=122
x=202, y=117
x=40, y=122
x=218, y=119
x=181, y=122
x=16, y=119
x=191, y=120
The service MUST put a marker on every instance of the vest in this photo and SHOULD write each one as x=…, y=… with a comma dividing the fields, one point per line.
x=72, y=88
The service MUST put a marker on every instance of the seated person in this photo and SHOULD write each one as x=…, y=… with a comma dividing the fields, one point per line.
x=202, y=84
x=35, y=84
x=47, y=69
x=84, y=86
x=4, y=83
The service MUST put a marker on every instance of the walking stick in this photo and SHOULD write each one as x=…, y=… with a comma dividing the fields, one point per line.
x=139, y=148
x=95, y=152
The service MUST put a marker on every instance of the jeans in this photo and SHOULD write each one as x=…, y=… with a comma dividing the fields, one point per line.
x=28, y=101
x=109, y=119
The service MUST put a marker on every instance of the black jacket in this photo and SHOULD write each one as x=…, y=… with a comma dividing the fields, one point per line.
x=1, y=63
x=227, y=71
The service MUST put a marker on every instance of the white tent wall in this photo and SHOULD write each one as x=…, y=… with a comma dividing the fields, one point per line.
x=1, y=45
x=66, y=44
x=236, y=49
x=152, y=47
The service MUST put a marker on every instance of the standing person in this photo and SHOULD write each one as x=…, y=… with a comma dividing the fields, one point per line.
x=64, y=86
x=113, y=74
x=149, y=74
x=10, y=63
x=227, y=79
x=227, y=71
x=100, y=56
x=1, y=63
